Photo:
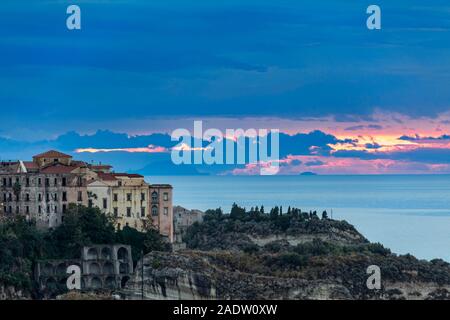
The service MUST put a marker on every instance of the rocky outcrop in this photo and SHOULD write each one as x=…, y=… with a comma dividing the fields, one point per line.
x=228, y=234
x=196, y=275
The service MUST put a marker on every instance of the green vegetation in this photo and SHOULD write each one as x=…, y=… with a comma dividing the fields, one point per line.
x=232, y=231
x=22, y=244
x=301, y=245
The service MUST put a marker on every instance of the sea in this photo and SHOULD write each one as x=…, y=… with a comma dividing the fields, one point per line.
x=406, y=213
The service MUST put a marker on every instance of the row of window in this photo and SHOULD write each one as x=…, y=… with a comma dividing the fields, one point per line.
x=54, y=209
x=8, y=197
x=129, y=197
x=10, y=182
x=48, y=209
x=154, y=196
x=54, y=197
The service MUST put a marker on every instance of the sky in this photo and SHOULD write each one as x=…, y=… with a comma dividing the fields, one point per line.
x=348, y=100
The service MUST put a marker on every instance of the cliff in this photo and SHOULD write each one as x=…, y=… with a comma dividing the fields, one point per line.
x=327, y=260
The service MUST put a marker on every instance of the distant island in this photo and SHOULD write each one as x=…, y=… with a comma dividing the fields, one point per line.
x=308, y=173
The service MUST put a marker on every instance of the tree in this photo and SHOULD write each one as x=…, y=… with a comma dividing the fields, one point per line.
x=82, y=226
x=237, y=212
x=274, y=213
x=324, y=215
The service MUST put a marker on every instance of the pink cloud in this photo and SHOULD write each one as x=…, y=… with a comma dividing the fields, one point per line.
x=149, y=149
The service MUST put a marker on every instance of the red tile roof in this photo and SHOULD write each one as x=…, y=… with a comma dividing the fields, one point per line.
x=129, y=175
x=52, y=154
x=58, y=168
x=102, y=166
x=30, y=165
x=106, y=176
x=77, y=163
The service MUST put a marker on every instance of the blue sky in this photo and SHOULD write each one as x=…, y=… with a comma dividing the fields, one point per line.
x=140, y=67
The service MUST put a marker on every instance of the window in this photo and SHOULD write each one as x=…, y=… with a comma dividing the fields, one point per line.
x=80, y=181
x=17, y=209
x=4, y=197
x=56, y=209
x=154, y=211
x=4, y=182
x=64, y=182
x=64, y=208
x=128, y=212
x=47, y=182
x=116, y=212
x=64, y=196
x=55, y=197
x=48, y=209
x=155, y=196
x=166, y=196
x=55, y=160
x=39, y=209
x=47, y=197
x=10, y=182
x=27, y=209
x=128, y=196
x=143, y=212
x=115, y=197
x=27, y=197
x=40, y=197
x=18, y=197
x=39, y=182
x=56, y=182
x=10, y=197
x=105, y=203
x=80, y=196
x=166, y=211
x=27, y=182
x=142, y=196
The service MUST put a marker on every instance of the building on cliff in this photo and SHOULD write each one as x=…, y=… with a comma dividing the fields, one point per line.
x=43, y=188
x=182, y=220
x=101, y=266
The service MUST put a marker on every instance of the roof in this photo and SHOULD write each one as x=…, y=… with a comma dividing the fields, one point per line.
x=58, y=168
x=163, y=186
x=101, y=166
x=52, y=154
x=30, y=165
x=129, y=175
x=77, y=163
x=106, y=176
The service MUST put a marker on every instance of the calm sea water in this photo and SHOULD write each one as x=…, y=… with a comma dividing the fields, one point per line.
x=409, y=214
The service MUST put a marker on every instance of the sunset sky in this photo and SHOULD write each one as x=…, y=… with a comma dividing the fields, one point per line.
x=350, y=100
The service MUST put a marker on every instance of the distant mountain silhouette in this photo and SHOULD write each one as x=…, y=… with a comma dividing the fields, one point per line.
x=308, y=173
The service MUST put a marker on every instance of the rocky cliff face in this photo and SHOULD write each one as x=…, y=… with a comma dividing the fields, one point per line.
x=11, y=293
x=193, y=275
x=283, y=259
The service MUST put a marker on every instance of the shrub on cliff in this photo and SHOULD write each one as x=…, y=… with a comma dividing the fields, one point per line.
x=20, y=244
